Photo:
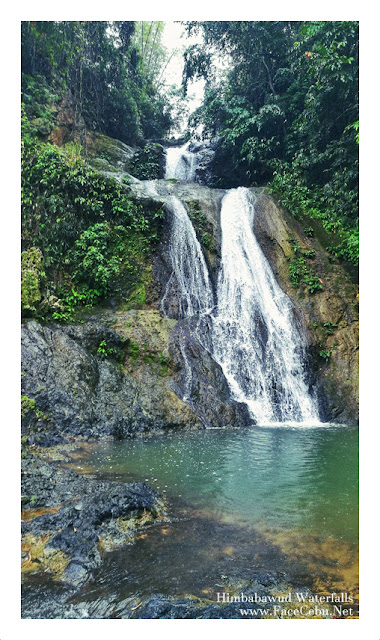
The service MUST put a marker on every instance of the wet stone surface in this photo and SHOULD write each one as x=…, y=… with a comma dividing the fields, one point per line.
x=76, y=514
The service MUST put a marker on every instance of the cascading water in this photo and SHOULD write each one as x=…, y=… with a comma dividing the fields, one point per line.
x=181, y=164
x=194, y=290
x=189, y=266
x=252, y=333
x=255, y=337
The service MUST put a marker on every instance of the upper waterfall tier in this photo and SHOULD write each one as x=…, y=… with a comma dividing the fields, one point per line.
x=181, y=163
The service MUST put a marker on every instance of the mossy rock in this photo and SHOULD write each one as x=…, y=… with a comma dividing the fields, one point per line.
x=109, y=150
x=41, y=557
x=149, y=163
x=32, y=277
x=145, y=327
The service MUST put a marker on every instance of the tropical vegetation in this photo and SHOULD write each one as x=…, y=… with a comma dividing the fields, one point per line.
x=283, y=99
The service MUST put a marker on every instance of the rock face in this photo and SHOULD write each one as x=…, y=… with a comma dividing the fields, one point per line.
x=68, y=126
x=329, y=316
x=107, y=153
x=203, y=381
x=85, y=392
x=119, y=376
x=205, y=153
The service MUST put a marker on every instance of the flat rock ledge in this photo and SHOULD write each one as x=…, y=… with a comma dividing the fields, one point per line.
x=69, y=520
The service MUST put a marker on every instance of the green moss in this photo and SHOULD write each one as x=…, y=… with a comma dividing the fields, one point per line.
x=149, y=357
x=108, y=149
x=300, y=272
x=28, y=404
x=30, y=413
x=201, y=225
x=159, y=364
x=133, y=351
x=164, y=366
x=137, y=296
x=32, y=277
x=208, y=241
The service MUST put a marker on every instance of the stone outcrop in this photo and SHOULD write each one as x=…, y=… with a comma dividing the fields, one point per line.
x=107, y=154
x=68, y=124
x=89, y=381
x=119, y=375
x=74, y=519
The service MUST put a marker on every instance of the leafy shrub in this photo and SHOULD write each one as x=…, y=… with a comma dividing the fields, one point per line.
x=293, y=193
x=149, y=163
x=94, y=237
x=300, y=272
x=325, y=354
x=101, y=255
x=104, y=351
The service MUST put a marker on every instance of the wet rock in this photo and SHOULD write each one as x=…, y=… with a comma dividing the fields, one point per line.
x=205, y=154
x=75, y=574
x=201, y=380
x=58, y=603
x=67, y=540
x=87, y=395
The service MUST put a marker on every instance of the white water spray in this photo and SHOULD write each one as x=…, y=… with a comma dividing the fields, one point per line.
x=194, y=290
x=181, y=164
x=252, y=333
x=255, y=337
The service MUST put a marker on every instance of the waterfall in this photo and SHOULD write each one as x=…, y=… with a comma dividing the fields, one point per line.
x=249, y=325
x=189, y=266
x=255, y=337
x=181, y=164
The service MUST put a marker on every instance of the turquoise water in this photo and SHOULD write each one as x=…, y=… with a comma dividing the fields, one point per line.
x=280, y=478
x=241, y=503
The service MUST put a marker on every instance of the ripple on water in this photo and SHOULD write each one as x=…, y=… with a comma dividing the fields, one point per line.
x=255, y=499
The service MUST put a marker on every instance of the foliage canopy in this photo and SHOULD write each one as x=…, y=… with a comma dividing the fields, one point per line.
x=101, y=64
x=286, y=111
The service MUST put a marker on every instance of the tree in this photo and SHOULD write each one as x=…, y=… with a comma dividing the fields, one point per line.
x=286, y=110
x=111, y=81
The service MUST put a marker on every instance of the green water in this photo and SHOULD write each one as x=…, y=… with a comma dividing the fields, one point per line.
x=279, y=478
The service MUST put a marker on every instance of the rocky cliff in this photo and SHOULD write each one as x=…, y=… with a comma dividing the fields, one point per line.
x=122, y=370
